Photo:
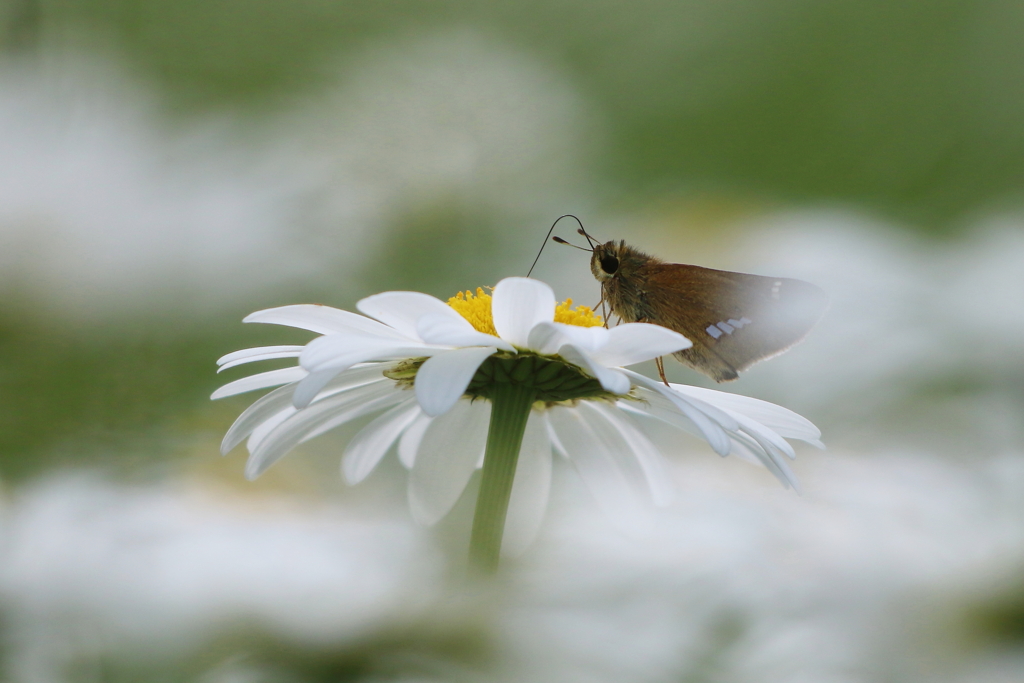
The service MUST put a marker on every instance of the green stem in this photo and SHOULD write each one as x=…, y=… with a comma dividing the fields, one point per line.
x=510, y=409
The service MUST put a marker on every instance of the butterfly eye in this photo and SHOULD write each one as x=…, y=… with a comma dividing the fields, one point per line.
x=609, y=264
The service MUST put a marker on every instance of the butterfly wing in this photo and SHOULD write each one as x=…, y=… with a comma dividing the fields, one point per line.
x=733, y=319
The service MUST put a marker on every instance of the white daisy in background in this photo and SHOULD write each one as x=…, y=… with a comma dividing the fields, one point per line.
x=511, y=375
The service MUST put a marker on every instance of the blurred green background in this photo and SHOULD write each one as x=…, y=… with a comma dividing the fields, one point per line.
x=168, y=166
x=910, y=111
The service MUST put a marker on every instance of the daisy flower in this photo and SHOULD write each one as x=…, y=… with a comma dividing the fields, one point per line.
x=495, y=381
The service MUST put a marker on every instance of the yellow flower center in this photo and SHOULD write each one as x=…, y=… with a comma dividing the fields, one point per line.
x=476, y=308
x=581, y=316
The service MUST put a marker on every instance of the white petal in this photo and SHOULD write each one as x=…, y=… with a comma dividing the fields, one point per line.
x=530, y=489
x=355, y=376
x=446, y=459
x=784, y=421
x=661, y=409
x=353, y=413
x=764, y=454
x=710, y=429
x=553, y=436
x=611, y=379
x=340, y=351
x=547, y=337
x=367, y=447
x=707, y=429
x=774, y=447
x=267, y=426
x=402, y=310
x=410, y=441
x=747, y=449
x=313, y=384
x=279, y=399
x=650, y=459
x=769, y=436
x=518, y=304
x=442, y=380
x=725, y=418
x=749, y=439
x=256, y=414
x=444, y=330
x=321, y=319
x=259, y=353
x=329, y=382
x=318, y=418
x=600, y=456
x=636, y=342
x=263, y=380
x=768, y=440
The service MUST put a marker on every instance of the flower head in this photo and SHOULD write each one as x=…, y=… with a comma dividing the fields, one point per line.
x=431, y=371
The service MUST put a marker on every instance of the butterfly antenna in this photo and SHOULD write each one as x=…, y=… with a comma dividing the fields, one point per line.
x=557, y=239
x=590, y=240
x=567, y=243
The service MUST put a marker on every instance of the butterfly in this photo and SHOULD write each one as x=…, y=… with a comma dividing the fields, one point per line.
x=733, y=319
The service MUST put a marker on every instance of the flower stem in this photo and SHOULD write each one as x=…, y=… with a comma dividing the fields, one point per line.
x=510, y=409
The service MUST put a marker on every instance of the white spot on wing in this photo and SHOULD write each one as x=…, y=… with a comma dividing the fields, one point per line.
x=776, y=287
x=714, y=331
x=726, y=327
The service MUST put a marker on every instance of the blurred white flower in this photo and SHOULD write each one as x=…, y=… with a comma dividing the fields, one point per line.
x=97, y=569
x=423, y=364
x=105, y=208
x=870, y=576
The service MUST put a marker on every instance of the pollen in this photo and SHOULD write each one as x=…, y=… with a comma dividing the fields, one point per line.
x=476, y=308
x=581, y=316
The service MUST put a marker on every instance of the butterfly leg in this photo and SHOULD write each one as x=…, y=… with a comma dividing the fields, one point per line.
x=604, y=313
x=660, y=362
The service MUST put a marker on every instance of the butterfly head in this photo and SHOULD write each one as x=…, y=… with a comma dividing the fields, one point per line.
x=613, y=259
x=607, y=259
